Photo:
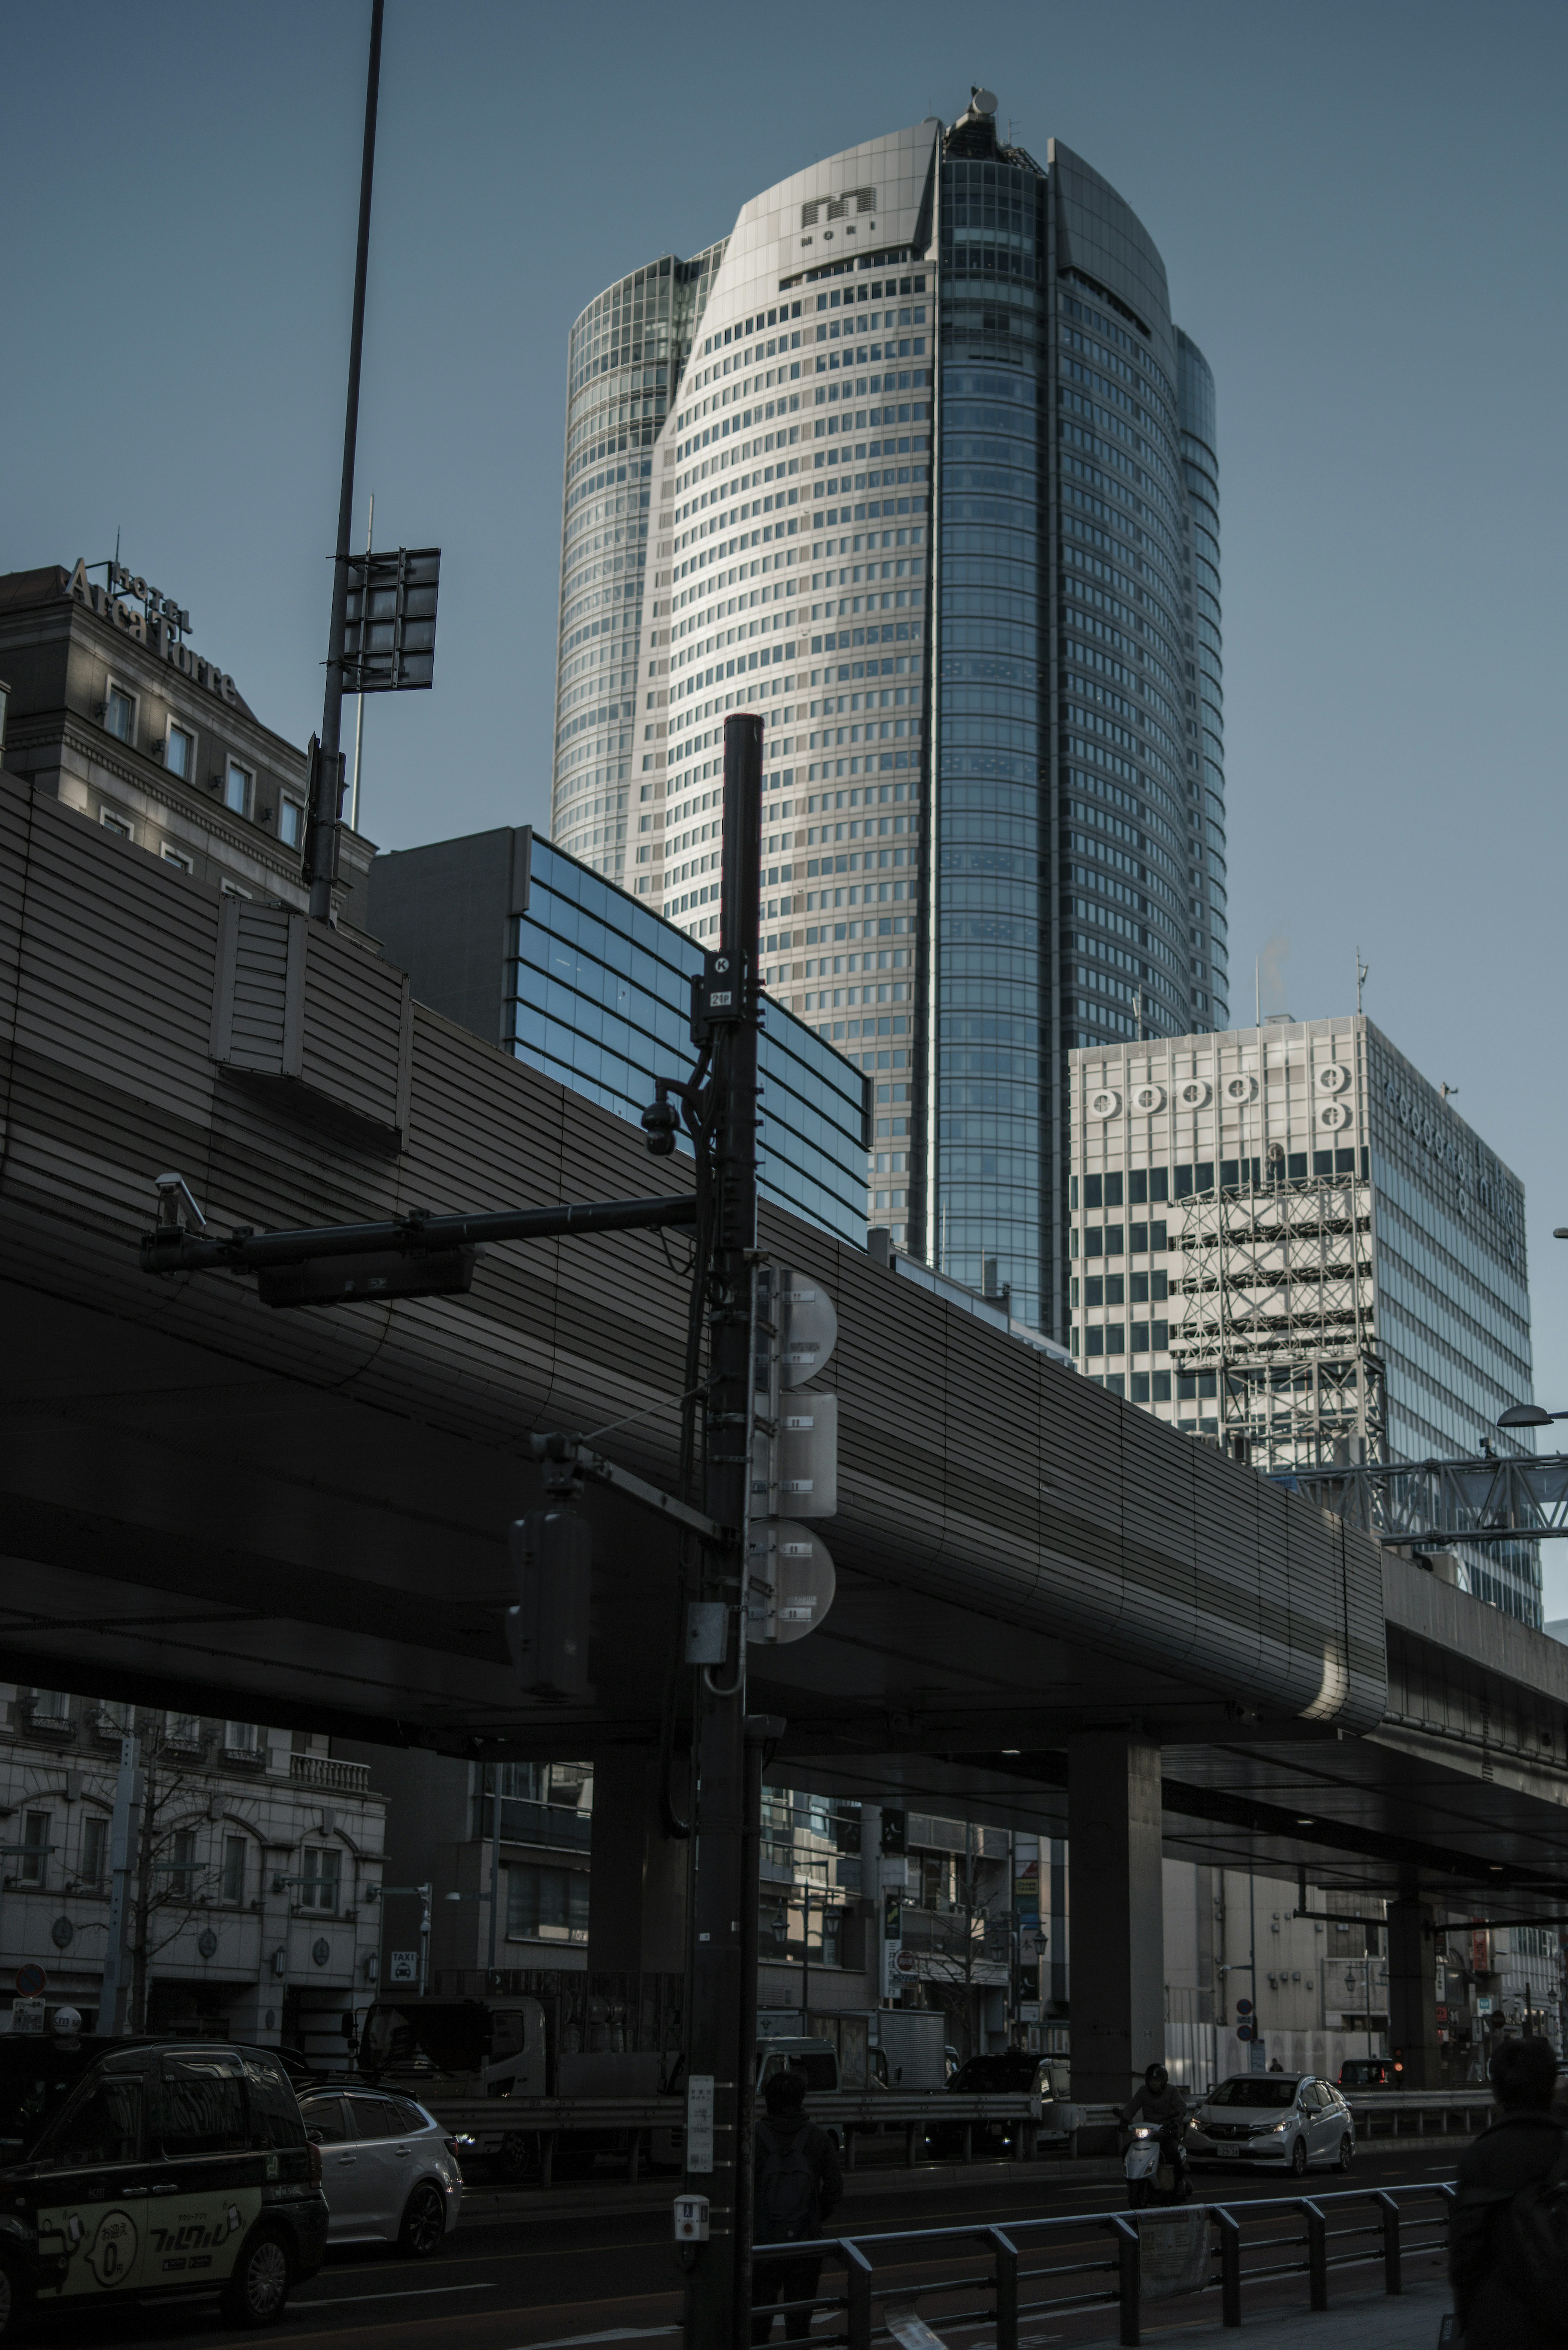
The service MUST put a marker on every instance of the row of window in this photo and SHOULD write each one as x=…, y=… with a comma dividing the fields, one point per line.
x=180, y=1871
x=1121, y=1289
x=1110, y=1338
x=178, y=752
x=1106, y=1240
x=1145, y=1185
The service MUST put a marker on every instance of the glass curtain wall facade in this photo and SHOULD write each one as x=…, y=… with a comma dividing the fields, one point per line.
x=624, y=362
x=598, y=995
x=938, y=495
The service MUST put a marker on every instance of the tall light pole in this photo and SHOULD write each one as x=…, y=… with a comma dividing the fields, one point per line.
x=327, y=776
x=723, y=2004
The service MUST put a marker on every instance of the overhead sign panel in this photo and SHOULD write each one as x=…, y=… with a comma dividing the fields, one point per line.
x=389, y=631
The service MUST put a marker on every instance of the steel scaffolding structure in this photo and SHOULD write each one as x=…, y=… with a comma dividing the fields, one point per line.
x=1436, y=1503
x=1277, y=1291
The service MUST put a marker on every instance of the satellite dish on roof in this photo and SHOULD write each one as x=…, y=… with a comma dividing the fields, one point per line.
x=984, y=101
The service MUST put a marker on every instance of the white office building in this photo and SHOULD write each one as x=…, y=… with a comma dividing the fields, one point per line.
x=1285, y=1239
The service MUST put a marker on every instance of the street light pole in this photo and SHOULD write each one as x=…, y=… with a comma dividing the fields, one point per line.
x=326, y=805
x=718, y=2302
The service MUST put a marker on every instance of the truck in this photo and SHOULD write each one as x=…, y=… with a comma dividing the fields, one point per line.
x=914, y=2042
x=563, y=2039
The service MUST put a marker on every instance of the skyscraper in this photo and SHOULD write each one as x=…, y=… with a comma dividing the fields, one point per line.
x=623, y=362
x=938, y=430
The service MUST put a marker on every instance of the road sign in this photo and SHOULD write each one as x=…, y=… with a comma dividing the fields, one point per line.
x=32, y=1981
x=1243, y=2007
x=547, y=1630
x=789, y=1581
x=795, y=1457
x=403, y=1966
x=1245, y=2032
x=388, y=627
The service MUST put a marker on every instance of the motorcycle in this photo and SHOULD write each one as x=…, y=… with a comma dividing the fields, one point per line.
x=1155, y=2165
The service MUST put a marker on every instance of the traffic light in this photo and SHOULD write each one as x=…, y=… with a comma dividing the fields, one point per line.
x=790, y=1579
x=547, y=1629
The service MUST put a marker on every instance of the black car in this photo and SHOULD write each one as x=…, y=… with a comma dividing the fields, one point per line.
x=132, y=2167
x=1005, y=2072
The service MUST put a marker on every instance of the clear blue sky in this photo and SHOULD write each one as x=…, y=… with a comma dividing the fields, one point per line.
x=1361, y=209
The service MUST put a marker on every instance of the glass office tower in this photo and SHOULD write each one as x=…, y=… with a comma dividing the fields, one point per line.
x=623, y=362
x=938, y=495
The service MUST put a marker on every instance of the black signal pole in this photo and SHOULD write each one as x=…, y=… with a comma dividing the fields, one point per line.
x=327, y=778
x=718, y=2307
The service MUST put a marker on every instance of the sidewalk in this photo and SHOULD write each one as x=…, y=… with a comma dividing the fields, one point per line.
x=1406, y=2321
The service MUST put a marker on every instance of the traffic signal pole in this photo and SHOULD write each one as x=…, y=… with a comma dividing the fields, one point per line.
x=718, y=2302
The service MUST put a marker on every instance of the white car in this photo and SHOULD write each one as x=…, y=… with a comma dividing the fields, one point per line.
x=1290, y=2118
x=389, y=2173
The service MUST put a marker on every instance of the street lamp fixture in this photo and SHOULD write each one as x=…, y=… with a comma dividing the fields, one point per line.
x=1529, y=1414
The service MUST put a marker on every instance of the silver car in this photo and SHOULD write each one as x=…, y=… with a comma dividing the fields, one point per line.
x=1291, y=2119
x=389, y=2173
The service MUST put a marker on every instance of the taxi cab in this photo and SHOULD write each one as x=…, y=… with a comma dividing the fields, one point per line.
x=131, y=2168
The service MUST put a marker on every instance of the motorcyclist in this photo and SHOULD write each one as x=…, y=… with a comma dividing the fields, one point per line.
x=1156, y=2100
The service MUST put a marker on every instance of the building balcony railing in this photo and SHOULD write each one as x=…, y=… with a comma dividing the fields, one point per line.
x=325, y=1771
x=526, y=1822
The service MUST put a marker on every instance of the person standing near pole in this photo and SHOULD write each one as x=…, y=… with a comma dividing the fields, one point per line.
x=798, y=2186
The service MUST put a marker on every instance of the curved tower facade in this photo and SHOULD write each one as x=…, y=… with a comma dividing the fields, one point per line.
x=938, y=495
x=624, y=360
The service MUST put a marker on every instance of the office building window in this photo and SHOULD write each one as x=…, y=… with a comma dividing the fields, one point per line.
x=318, y=1879
x=180, y=752
x=177, y=856
x=234, y=1869
x=546, y=1904
x=33, y=1860
x=112, y=821
x=182, y=1867
x=290, y=823
x=236, y=787
x=119, y=713
x=93, y=1865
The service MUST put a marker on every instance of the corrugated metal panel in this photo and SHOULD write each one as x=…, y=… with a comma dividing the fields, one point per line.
x=972, y=1470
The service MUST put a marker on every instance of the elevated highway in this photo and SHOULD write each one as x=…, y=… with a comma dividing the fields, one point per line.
x=301, y=1515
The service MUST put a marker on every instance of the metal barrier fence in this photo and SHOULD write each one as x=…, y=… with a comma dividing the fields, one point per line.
x=1034, y=2269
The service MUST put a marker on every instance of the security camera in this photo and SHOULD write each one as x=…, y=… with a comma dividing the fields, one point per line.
x=177, y=1209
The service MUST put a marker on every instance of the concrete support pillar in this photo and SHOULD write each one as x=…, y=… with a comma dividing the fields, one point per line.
x=1118, y=1922
x=637, y=1893
x=1413, y=1992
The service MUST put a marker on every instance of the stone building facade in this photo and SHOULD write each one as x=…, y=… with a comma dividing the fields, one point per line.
x=255, y=1904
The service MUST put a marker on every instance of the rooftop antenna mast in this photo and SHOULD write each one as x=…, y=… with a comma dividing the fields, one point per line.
x=1361, y=970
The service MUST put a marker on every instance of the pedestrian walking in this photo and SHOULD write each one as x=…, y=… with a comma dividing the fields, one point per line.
x=799, y=2184
x=1507, y=2239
